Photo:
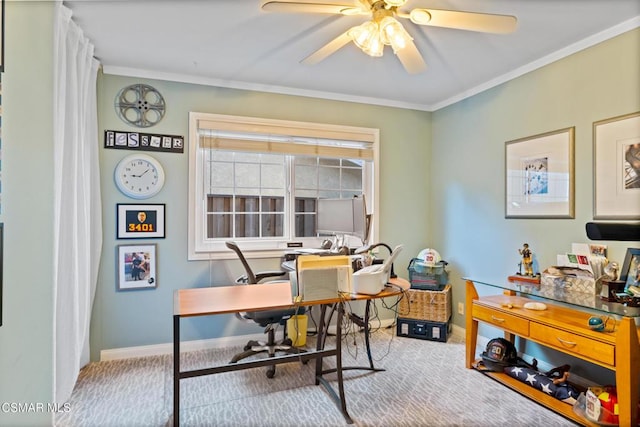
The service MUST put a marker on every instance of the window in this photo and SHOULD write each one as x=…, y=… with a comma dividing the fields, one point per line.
x=256, y=181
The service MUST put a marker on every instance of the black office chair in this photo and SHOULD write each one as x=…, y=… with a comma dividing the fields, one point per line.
x=268, y=319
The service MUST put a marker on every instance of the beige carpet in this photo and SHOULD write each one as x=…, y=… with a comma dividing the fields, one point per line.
x=425, y=384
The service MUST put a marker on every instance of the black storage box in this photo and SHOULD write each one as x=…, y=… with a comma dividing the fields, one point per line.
x=424, y=329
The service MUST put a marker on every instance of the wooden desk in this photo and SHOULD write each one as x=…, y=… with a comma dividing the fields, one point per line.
x=563, y=328
x=231, y=299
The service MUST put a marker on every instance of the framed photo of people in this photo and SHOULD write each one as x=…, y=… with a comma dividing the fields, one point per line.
x=539, y=176
x=140, y=221
x=137, y=267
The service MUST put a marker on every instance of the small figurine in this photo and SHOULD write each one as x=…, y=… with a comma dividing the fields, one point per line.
x=527, y=261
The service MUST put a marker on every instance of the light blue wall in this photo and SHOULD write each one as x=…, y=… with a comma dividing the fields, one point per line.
x=26, y=348
x=467, y=208
x=125, y=319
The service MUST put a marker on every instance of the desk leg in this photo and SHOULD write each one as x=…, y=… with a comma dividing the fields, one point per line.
x=176, y=371
x=366, y=333
x=343, y=402
x=627, y=371
x=320, y=341
x=471, y=325
x=323, y=329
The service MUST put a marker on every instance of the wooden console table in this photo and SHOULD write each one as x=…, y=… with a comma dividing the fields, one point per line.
x=563, y=326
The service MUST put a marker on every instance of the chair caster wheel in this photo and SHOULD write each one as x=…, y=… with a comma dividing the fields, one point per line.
x=271, y=372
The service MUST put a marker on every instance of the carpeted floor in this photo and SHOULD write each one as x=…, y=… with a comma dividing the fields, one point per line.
x=425, y=384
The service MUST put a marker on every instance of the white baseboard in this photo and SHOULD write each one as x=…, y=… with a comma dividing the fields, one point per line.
x=167, y=348
x=224, y=342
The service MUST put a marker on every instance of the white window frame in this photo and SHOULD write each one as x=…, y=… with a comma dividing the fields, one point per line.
x=199, y=248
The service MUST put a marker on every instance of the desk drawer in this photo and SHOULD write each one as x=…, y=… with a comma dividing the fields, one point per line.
x=577, y=345
x=502, y=320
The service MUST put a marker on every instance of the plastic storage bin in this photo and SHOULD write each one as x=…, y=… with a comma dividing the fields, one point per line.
x=425, y=277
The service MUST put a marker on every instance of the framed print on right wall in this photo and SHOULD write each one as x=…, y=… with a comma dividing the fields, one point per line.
x=539, y=177
x=616, y=166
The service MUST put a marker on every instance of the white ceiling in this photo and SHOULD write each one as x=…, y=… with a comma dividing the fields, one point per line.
x=233, y=43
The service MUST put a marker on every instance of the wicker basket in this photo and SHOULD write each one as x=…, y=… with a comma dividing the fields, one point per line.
x=426, y=305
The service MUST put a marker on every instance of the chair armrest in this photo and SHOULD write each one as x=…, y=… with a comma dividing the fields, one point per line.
x=266, y=274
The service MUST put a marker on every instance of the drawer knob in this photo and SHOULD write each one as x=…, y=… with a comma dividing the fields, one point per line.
x=566, y=343
x=497, y=319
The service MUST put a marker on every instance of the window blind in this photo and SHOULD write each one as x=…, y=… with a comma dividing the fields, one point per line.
x=285, y=138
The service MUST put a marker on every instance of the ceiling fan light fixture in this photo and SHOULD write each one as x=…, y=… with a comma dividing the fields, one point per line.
x=375, y=48
x=393, y=33
x=419, y=16
x=367, y=37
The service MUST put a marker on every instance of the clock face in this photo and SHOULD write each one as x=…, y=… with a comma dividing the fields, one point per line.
x=139, y=176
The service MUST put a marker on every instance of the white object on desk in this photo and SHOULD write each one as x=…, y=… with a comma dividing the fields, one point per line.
x=323, y=283
x=535, y=306
x=371, y=280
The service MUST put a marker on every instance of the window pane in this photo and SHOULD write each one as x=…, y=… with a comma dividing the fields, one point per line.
x=247, y=175
x=247, y=225
x=247, y=204
x=273, y=204
x=279, y=192
x=219, y=155
x=221, y=174
x=275, y=159
x=329, y=162
x=219, y=203
x=306, y=177
x=247, y=157
x=351, y=179
x=305, y=225
x=329, y=194
x=305, y=217
x=329, y=177
x=304, y=160
x=272, y=225
x=272, y=176
x=306, y=193
x=218, y=226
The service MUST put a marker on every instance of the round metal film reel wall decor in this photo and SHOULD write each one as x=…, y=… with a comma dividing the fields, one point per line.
x=140, y=105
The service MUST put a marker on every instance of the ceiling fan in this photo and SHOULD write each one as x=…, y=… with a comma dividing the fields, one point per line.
x=384, y=29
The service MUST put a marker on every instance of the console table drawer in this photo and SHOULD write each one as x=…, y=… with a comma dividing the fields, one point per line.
x=578, y=345
x=515, y=324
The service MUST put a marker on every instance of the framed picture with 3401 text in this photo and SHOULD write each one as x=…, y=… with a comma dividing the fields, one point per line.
x=539, y=176
x=616, y=165
x=140, y=221
x=137, y=267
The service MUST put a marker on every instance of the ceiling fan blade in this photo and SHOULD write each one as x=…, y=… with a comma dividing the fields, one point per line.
x=411, y=58
x=311, y=7
x=327, y=49
x=471, y=21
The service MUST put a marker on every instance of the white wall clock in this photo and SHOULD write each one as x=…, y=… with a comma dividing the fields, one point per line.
x=139, y=176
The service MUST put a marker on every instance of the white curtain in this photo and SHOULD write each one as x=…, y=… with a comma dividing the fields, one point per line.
x=77, y=210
